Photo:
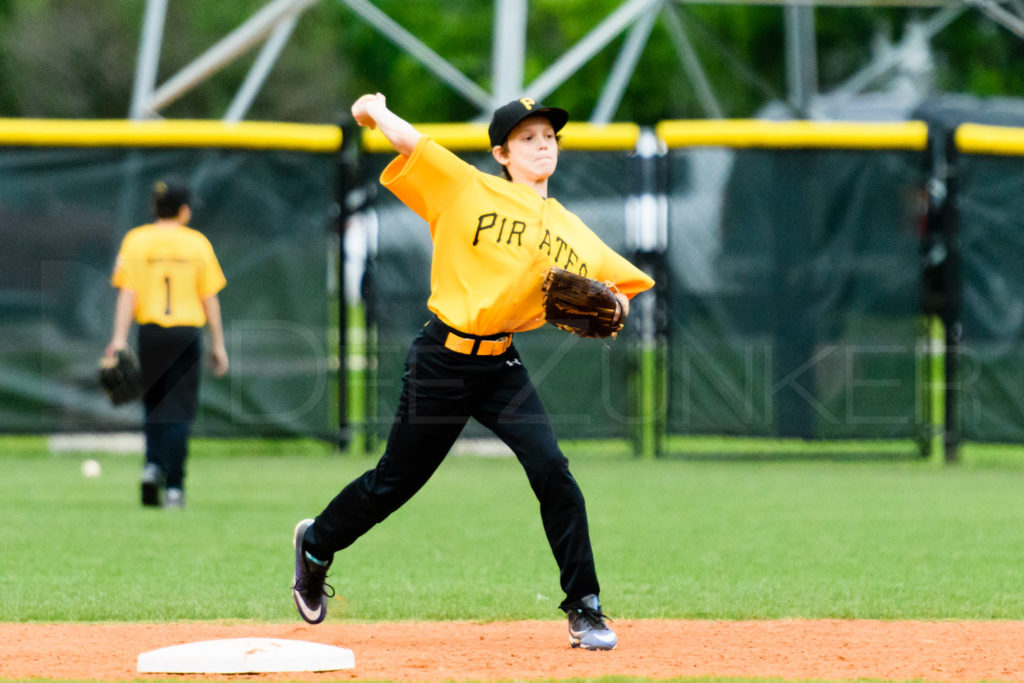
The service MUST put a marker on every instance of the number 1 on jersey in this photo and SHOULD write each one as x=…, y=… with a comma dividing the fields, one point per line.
x=167, y=292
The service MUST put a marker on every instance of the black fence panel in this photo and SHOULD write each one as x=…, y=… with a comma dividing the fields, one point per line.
x=268, y=214
x=795, y=293
x=990, y=370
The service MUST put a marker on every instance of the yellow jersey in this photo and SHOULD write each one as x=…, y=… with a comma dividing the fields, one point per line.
x=494, y=241
x=171, y=269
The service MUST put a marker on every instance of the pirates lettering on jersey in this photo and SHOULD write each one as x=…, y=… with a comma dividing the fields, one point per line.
x=563, y=254
x=489, y=221
x=509, y=231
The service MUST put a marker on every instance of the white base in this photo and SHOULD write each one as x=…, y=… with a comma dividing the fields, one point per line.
x=245, y=655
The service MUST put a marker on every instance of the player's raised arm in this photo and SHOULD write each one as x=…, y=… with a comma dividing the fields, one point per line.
x=372, y=112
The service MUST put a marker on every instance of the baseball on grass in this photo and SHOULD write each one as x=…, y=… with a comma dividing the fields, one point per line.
x=91, y=469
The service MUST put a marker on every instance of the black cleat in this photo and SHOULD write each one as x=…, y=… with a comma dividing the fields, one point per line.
x=586, y=625
x=152, y=482
x=308, y=587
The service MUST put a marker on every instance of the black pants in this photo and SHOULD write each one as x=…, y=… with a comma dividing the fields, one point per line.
x=441, y=390
x=170, y=358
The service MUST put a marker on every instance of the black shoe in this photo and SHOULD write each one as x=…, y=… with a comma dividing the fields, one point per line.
x=308, y=587
x=152, y=485
x=586, y=625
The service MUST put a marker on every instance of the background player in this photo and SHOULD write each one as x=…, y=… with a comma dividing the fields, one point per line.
x=168, y=278
x=494, y=240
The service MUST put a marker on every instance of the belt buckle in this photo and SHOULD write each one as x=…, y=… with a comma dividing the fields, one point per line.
x=477, y=347
x=496, y=347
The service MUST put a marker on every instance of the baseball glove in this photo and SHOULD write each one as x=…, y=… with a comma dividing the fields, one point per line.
x=580, y=305
x=121, y=377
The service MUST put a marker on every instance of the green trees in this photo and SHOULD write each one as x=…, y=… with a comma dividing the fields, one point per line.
x=67, y=59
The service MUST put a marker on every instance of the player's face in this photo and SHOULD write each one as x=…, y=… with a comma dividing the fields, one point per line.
x=532, y=150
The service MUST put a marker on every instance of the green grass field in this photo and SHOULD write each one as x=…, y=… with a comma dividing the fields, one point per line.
x=706, y=538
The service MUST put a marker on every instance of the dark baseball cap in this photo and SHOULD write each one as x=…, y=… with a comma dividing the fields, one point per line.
x=508, y=117
x=169, y=195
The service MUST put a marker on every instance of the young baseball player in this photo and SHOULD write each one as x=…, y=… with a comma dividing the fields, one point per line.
x=494, y=240
x=168, y=278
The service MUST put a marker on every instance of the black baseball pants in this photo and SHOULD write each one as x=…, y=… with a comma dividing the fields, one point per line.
x=441, y=390
x=170, y=359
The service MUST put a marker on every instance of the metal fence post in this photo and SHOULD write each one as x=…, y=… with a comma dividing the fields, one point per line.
x=647, y=225
x=942, y=277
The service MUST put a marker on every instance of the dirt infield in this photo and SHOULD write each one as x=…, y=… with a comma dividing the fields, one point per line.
x=826, y=649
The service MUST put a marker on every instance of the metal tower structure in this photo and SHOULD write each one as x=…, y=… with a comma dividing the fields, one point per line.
x=270, y=28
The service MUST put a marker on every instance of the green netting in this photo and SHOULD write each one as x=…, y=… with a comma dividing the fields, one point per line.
x=63, y=213
x=990, y=377
x=795, y=293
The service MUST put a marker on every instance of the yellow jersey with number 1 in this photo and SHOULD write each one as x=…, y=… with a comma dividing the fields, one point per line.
x=171, y=269
x=494, y=241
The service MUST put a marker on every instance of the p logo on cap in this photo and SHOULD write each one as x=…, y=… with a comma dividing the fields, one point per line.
x=507, y=117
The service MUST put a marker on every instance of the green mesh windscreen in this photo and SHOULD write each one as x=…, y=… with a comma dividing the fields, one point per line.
x=63, y=213
x=990, y=377
x=795, y=293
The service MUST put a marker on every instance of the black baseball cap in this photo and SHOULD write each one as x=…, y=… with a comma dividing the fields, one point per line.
x=508, y=117
x=169, y=195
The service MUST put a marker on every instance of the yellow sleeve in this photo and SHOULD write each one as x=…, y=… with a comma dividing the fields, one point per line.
x=629, y=279
x=428, y=180
x=120, y=277
x=213, y=279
